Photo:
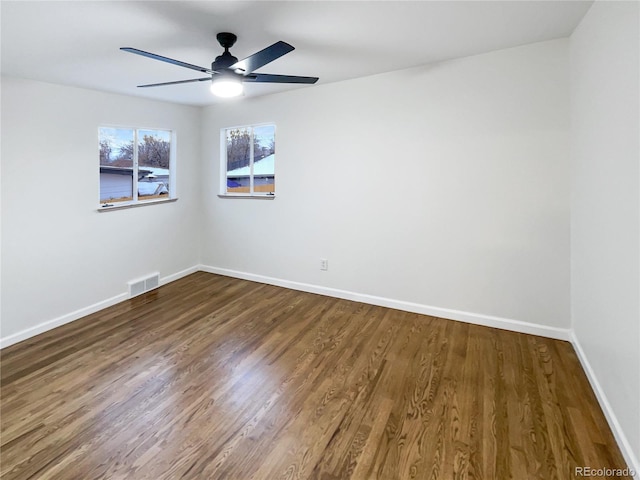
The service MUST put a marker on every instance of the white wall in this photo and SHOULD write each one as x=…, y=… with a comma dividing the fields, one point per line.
x=60, y=255
x=445, y=185
x=605, y=207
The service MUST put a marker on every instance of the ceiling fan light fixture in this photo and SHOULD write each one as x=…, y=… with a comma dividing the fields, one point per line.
x=226, y=87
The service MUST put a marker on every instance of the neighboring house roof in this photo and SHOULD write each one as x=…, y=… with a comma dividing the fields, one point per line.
x=122, y=170
x=264, y=166
x=116, y=170
x=157, y=171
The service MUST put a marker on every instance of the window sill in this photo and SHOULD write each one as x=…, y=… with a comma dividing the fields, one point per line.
x=115, y=206
x=240, y=195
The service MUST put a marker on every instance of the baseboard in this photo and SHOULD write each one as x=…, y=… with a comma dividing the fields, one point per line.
x=614, y=424
x=179, y=275
x=468, y=317
x=474, y=318
x=82, y=312
x=59, y=321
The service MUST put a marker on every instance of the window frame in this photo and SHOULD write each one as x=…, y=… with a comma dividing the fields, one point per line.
x=223, y=164
x=135, y=201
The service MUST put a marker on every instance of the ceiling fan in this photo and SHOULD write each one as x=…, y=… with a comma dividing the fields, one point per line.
x=227, y=74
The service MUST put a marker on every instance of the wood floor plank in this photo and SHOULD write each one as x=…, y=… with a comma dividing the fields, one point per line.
x=211, y=377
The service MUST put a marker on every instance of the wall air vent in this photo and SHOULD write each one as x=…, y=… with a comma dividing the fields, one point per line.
x=142, y=285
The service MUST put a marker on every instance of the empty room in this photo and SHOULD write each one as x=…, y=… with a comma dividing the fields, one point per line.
x=257, y=240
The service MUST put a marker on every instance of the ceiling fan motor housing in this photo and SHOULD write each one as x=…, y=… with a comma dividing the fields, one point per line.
x=223, y=61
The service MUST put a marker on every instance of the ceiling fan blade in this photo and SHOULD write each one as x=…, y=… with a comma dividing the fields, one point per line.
x=174, y=83
x=167, y=60
x=266, y=77
x=261, y=58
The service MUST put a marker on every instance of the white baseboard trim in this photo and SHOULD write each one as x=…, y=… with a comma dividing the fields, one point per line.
x=179, y=275
x=81, y=312
x=59, y=321
x=614, y=424
x=468, y=317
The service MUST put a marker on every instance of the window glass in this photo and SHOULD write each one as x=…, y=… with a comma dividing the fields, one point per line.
x=116, y=164
x=154, y=154
x=238, y=160
x=264, y=154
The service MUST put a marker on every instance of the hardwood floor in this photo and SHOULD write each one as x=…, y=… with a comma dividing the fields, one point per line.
x=211, y=377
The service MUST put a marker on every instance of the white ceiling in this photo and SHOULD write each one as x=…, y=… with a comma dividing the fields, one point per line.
x=77, y=42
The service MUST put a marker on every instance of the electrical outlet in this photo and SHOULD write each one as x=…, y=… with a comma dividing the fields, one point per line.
x=324, y=264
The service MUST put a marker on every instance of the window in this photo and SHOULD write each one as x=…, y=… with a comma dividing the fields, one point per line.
x=248, y=155
x=136, y=165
